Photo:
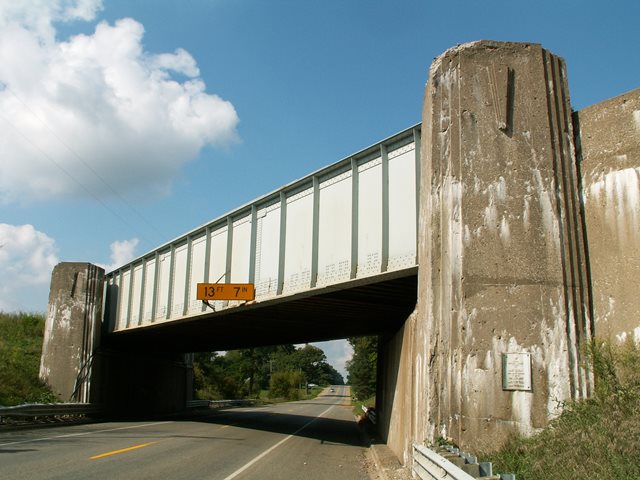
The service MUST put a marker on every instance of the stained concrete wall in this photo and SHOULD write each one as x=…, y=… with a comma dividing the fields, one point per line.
x=395, y=396
x=78, y=365
x=72, y=329
x=503, y=263
x=609, y=144
x=501, y=253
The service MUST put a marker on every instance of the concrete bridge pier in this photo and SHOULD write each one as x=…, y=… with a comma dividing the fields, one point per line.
x=79, y=367
x=72, y=330
x=502, y=262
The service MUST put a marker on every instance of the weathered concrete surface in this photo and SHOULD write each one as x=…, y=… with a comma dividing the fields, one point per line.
x=502, y=261
x=77, y=367
x=610, y=167
x=397, y=385
x=501, y=253
x=72, y=329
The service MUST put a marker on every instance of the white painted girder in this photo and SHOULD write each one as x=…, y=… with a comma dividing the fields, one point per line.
x=356, y=218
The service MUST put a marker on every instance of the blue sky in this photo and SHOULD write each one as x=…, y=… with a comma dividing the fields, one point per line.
x=164, y=115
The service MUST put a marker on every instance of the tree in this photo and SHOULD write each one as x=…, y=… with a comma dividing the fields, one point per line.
x=330, y=376
x=240, y=373
x=216, y=377
x=309, y=360
x=285, y=385
x=362, y=367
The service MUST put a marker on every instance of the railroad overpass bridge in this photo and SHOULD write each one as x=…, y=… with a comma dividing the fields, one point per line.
x=331, y=255
x=486, y=246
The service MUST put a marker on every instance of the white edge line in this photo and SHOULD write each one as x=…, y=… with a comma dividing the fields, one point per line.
x=266, y=452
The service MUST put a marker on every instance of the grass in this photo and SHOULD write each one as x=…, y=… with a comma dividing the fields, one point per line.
x=596, y=438
x=301, y=395
x=20, y=349
x=357, y=405
x=313, y=393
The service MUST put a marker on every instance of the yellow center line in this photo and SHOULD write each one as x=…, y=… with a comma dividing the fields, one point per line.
x=122, y=450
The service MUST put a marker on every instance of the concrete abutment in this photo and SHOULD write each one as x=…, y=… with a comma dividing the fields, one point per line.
x=72, y=330
x=501, y=256
x=528, y=243
x=609, y=154
x=77, y=366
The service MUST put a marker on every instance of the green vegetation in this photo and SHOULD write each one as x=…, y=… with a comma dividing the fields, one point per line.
x=362, y=367
x=362, y=372
x=20, y=348
x=286, y=385
x=596, y=438
x=280, y=370
x=267, y=396
x=358, y=404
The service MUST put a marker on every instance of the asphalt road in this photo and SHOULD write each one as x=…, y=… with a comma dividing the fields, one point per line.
x=312, y=440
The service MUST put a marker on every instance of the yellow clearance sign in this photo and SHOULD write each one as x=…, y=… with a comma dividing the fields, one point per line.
x=226, y=291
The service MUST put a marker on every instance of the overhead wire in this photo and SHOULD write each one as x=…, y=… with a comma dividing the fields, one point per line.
x=65, y=171
x=113, y=190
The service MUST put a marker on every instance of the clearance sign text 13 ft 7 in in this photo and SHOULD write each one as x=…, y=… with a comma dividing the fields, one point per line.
x=226, y=291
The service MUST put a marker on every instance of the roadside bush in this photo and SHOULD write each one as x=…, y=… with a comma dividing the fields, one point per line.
x=285, y=385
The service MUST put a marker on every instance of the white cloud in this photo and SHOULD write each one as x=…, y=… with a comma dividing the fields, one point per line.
x=38, y=15
x=27, y=258
x=122, y=252
x=133, y=116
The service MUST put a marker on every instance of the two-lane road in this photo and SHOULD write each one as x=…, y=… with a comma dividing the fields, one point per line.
x=311, y=440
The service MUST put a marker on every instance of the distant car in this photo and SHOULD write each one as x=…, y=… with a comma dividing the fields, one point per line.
x=332, y=390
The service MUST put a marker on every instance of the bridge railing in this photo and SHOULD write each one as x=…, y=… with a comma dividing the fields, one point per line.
x=353, y=219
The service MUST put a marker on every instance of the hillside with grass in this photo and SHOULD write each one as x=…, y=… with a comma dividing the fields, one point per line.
x=20, y=349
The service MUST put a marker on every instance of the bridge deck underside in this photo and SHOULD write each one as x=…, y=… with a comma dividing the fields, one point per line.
x=364, y=307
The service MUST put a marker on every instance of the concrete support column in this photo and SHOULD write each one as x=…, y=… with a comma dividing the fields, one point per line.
x=78, y=367
x=72, y=330
x=502, y=259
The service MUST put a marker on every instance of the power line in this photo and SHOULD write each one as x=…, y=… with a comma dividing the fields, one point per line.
x=66, y=172
x=81, y=160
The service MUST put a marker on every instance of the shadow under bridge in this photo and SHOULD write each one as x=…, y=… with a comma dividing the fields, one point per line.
x=368, y=306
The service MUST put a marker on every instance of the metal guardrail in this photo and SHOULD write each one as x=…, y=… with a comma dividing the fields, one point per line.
x=428, y=465
x=49, y=410
x=370, y=414
x=452, y=464
x=33, y=410
x=218, y=403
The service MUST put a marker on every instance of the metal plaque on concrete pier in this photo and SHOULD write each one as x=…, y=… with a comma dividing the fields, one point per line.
x=516, y=371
